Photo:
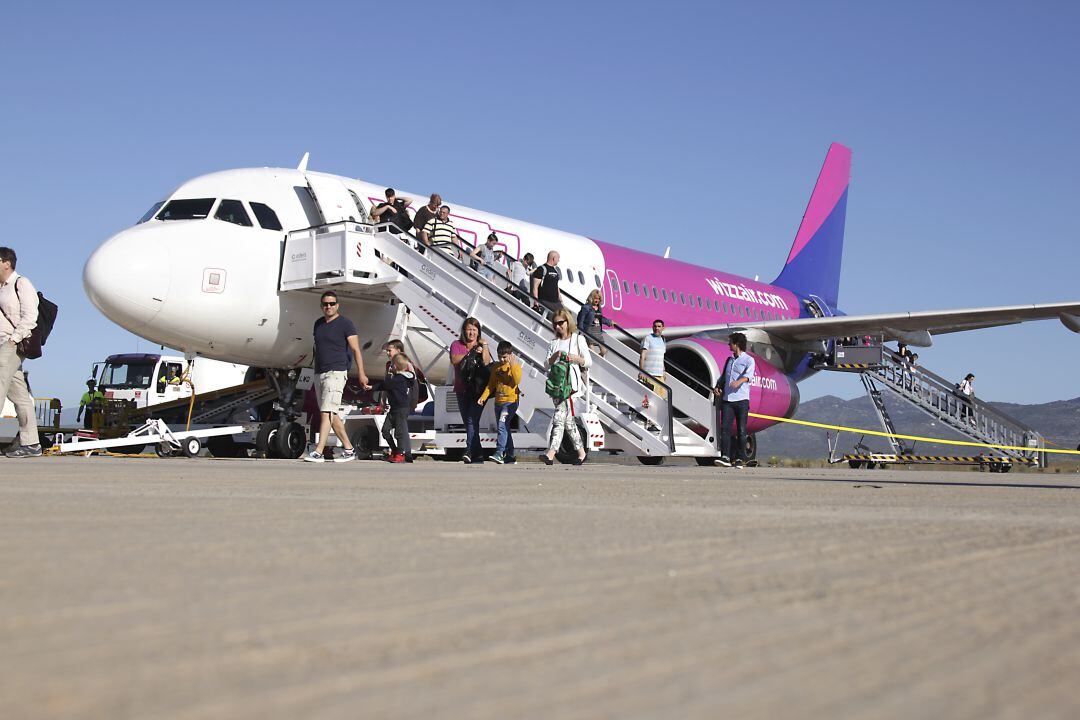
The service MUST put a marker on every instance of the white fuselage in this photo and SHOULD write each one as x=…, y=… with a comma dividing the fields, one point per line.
x=209, y=287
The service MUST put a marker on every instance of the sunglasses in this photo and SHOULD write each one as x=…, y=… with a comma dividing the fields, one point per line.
x=329, y=304
x=560, y=322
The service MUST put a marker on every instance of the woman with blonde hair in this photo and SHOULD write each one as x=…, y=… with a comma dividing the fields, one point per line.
x=591, y=322
x=568, y=363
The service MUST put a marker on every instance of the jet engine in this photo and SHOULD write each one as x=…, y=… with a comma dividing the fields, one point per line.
x=699, y=360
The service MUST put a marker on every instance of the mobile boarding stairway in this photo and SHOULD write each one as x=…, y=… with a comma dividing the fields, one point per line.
x=881, y=369
x=376, y=262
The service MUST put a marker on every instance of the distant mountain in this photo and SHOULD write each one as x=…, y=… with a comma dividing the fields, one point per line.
x=1058, y=422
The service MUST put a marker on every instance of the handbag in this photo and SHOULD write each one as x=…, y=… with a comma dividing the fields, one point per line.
x=30, y=346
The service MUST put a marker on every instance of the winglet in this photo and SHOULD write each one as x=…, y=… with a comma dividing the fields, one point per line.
x=302, y=167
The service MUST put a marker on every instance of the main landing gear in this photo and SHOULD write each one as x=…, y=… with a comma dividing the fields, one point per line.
x=283, y=437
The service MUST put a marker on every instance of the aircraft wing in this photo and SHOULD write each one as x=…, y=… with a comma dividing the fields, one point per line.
x=914, y=328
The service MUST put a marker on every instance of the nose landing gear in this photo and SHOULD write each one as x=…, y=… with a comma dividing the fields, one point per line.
x=283, y=437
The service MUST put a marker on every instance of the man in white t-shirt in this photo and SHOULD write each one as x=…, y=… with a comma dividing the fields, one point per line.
x=651, y=362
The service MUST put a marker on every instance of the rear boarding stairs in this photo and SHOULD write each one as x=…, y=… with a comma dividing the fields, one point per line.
x=378, y=262
x=881, y=369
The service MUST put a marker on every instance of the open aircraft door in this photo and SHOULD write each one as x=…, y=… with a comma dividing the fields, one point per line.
x=614, y=294
x=335, y=201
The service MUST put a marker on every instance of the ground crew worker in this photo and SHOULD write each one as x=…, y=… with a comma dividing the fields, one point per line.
x=91, y=404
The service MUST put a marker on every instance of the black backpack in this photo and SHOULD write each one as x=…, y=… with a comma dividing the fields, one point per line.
x=30, y=346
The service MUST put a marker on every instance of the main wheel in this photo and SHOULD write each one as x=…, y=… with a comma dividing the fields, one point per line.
x=222, y=446
x=190, y=447
x=854, y=464
x=750, y=449
x=290, y=441
x=653, y=459
x=702, y=461
x=163, y=450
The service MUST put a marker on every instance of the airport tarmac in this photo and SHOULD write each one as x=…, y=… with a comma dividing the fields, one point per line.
x=137, y=588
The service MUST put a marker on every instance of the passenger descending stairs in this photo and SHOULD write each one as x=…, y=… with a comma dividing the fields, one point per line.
x=441, y=291
x=936, y=397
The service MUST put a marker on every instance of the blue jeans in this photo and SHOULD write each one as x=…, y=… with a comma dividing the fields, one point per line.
x=733, y=410
x=504, y=415
x=470, y=415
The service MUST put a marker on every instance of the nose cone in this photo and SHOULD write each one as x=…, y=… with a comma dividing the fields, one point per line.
x=127, y=278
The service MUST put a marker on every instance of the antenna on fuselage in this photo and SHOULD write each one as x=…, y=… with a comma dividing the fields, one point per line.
x=302, y=167
x=667, y=251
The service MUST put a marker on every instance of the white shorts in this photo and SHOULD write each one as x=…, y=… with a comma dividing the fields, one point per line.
x=328, y=387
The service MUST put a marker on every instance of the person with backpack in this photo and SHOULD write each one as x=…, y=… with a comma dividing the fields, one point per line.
x=470, y=357
x=18, y=318
x=568, y=359
x=401, y=394
x=503, y=384
x=965, y=390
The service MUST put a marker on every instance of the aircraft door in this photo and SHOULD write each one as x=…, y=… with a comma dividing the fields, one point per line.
x=335, y=202
x=613, y=297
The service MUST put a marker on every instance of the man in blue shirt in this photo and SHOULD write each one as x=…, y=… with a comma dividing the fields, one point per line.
x=733, y=392
x=336, y=345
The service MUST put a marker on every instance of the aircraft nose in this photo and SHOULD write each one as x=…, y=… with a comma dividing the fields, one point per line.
x=127, y=278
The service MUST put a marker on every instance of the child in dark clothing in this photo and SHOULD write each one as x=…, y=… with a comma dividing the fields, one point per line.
x=399, y=392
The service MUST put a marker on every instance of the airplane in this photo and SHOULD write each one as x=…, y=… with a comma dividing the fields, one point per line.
x=199, y=272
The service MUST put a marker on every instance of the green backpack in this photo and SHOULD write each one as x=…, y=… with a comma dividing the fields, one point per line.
x=559, y=385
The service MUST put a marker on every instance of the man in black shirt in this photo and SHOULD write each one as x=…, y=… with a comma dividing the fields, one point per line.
x=394, y=210
x=545, y=284
x=335, y=341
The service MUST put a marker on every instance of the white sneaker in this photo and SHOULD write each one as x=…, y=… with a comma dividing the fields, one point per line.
x=346, y=456
x=314, y=457
x=723, y=461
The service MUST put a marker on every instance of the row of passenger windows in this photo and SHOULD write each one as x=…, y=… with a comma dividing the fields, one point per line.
x=720, y=306
x=569, y=274
x=231, y=211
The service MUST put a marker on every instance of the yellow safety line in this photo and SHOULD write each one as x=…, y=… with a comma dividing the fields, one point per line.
x=910, y=437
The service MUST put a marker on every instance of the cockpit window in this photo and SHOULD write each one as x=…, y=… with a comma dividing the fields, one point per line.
x=266, y=216
x=151, y=212
x=233, y=211
x=186, y=209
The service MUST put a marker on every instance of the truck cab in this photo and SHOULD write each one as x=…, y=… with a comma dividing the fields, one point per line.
x=152, y=379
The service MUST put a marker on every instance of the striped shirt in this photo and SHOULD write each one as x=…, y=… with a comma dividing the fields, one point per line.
x=439, y=231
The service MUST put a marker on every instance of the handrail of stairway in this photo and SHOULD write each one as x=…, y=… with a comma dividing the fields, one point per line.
x=981, y=405
x=442, y=246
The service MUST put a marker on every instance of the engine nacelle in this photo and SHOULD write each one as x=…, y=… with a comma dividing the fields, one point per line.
x=771, y=392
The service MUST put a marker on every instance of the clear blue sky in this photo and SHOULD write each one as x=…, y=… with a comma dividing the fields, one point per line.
x=618, y=120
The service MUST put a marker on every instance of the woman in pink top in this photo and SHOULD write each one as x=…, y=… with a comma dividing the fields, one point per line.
x=470, y=357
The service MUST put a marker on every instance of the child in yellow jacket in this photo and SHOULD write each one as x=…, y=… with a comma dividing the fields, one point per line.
x=503, y=384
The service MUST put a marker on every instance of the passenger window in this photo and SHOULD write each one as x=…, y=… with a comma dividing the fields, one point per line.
x=232, y=211
x=570, y=276
x=267, y=218
x=596, y=280
x=664, y=293
x=636, y=289
x=708, y=304
x=655, y=295
x=186, y=209
x=682, y=298
x=151, y=212
x=626, y=286
x=581, y=277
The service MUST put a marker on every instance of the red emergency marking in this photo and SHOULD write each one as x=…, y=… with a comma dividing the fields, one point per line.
x=358, y=249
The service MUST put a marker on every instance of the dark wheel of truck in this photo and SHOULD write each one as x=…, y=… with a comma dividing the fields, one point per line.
x=222, y=446
x=365, y=441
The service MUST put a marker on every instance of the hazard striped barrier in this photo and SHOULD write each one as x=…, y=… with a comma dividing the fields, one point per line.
x=942, y=441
